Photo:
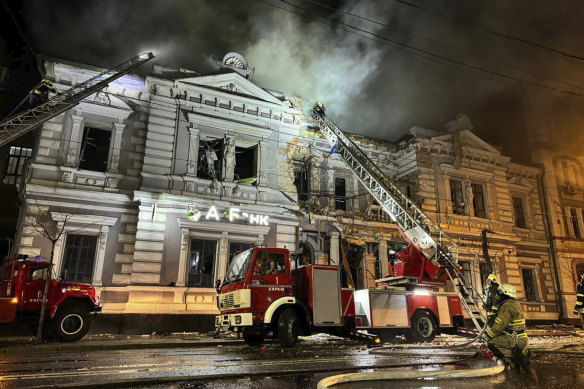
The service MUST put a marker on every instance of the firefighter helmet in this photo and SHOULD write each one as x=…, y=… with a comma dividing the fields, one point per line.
x=508, y=290
x=492, y=277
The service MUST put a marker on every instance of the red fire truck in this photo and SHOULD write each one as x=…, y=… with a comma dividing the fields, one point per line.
x=266, y=291
x=69, y=304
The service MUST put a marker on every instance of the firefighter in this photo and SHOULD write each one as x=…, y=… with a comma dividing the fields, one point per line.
x=579, y=307
x=40, y=94
x=319, y=107
x=507, y=337
x=491, y=305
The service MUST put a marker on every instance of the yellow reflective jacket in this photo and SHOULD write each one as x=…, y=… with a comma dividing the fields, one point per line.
x=509, y=319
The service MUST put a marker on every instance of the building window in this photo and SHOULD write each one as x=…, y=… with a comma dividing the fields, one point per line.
x=95, y=149
x=529, y=284
x=457, y=197
x=302, y=179
x=210, y=164
x=79, y=258
x=569, y=172
x=485, y=270
x=579, y=270
x=574, y=222
x=478, y=201
x=237, y=247
x=306, y=257
x=202, y=263
x=518, y=211
x=340, y=194
x=16, y=159
x=246, y=163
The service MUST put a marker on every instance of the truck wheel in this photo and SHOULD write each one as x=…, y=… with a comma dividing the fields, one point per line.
x=423, y=328
x=253, y=337
x=71, y=323
x=288, y=328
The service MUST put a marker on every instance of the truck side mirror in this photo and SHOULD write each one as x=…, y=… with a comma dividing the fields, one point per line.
x=218, y=286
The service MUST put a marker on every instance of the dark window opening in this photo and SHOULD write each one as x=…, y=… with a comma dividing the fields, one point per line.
x=478, y=201
x=79, y=258
x=457, y=197
x=529, y=284
x=579, y=270
x=574, y=221
x=340, y=194
x=16, y=159
x=202, y=263
x=95, y=149
x=306, y=257
x=246, y=165
x=237, y=247
x=518, y=211
x=485, y=270
x=210, y=164
x=302, y=179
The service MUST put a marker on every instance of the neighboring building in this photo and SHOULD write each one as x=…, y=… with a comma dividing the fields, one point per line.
x=556, y=142
x=164, y=178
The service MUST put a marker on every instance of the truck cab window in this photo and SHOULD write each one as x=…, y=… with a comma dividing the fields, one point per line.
x=38, y=274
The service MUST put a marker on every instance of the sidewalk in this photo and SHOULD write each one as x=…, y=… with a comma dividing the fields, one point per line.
x=24, y=345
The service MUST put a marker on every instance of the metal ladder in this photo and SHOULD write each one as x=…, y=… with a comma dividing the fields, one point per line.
x=414, y=224
x=25, y=121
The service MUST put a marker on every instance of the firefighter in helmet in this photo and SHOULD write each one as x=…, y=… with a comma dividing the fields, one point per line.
x=319, y=108
x=579, y=307
x=40, y=94
x=491, y=304
x=507, y=337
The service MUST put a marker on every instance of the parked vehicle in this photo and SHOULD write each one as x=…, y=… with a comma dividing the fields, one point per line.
x=69, y=304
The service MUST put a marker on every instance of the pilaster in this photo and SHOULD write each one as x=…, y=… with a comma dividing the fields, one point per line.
x=116, y=142
x=193, y=150
x=76, y=139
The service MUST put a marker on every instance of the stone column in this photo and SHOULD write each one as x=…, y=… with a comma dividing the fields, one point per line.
x=75, y=140
x=181, y=279
x=100, y=256
x=223, y=258
x=383, y=261
x=193, y=151
x=334, y=251
x=229, y=158
x=115, y=147
x=263, y=157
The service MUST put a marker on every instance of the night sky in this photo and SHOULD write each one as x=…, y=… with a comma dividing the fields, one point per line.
x=372, y=85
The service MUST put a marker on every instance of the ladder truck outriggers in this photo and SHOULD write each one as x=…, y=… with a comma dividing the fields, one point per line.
x=266, y=291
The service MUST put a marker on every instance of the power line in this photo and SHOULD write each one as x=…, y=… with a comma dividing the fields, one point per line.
x=412, y=49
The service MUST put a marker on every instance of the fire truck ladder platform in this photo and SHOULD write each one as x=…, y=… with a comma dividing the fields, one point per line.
x=25, y=121
x=414, y=223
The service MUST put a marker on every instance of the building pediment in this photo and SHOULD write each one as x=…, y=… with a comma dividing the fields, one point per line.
x=469, y=140
x=232, y=83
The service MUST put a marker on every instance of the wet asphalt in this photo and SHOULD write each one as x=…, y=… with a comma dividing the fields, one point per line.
x=241, y=366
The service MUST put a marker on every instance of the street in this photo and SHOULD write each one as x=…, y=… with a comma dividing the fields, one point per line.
x=239, y=366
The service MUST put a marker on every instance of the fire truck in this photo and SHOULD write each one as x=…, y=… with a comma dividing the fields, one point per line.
x=266, y=291
x=69, y=304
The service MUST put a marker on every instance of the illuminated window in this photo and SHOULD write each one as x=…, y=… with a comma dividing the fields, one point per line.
x=518, y=211
x=202, y=263
x=340, y=194
x=457, y=197
x=95, y=149
x=16, y=159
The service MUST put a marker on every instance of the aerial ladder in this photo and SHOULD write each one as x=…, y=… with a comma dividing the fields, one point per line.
x=25, y=121
x=414, y=225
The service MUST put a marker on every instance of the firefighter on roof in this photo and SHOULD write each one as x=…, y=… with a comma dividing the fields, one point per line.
x=507, y=337
x=579, y=307
x=40, y=93
x=492, y=303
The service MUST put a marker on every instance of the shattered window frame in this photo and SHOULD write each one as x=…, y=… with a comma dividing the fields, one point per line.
x=528, y=276
x=217, y=145
x=239, y=172
x=519, y=212
x=573, y=220
x=340, y=199
x=457, y=197
x=94, y=155
x=17, y=157
x=478, y=200
x=302, y=179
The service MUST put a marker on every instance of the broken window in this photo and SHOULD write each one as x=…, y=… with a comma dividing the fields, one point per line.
x=529, y=284
x=518, y=211
x=457, y=197
x=478, y=201
x=302, y=179
x=16, y=159
x=340, y=194
x=210, y=164
x=202, y=263
x=95, y=149
x=574, y=222
x=246, y=163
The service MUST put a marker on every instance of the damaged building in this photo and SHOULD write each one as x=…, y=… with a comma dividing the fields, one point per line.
x=161, y=179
